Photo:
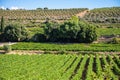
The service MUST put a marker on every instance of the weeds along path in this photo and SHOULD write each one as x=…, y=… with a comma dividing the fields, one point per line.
x=5, y=43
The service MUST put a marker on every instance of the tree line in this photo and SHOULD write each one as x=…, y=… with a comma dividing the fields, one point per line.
x=70, y=31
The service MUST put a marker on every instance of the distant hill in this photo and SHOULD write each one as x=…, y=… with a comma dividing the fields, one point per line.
x=56, y=14
x=98, y=15
x=103, y=15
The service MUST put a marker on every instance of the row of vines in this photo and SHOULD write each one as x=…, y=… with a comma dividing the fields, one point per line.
x=40, y=14
x=103, y=15
x=60, y=67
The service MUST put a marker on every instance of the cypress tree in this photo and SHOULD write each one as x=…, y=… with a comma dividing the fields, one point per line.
x=2, y=25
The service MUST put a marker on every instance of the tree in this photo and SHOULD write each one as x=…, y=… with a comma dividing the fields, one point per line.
x=15, y=32
x=39, y=37
x=38, y=8
x=87, y=33
x=2, y=25
x=45, y=8
x=7, y=9
x=70, y=31
x=91, y=34
x=51, y=31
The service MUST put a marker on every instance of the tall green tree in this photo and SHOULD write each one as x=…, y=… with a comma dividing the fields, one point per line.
x=2, y=25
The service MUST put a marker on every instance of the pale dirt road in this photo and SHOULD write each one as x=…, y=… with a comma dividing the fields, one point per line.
x=82, y=14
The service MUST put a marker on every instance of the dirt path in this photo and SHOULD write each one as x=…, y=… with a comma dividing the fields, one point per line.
x=30, y=52
x=82, y=14
x=6, y=43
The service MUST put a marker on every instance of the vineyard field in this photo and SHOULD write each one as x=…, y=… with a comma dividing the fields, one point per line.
x=104, y=15
x=66, y=47
x=59, y=67
x=108, y=31
x=40, y=14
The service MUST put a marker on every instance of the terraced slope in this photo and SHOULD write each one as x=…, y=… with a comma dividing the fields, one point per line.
x=40, y=14
x=102, y=15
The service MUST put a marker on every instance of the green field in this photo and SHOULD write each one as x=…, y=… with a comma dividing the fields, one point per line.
x=108, y=25
x=108, y=31
x=66, y=47
x=58, y=67
x=59, y=44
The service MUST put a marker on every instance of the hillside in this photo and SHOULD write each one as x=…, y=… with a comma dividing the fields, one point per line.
x=99, y=15
x=59, y=14
x=103, y=15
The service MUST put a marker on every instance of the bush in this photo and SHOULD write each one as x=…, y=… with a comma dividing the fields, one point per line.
x=87, y=33
x=1, y=37
x=71, y=31
x=2, y=25
x=7, y=48
x=62, y=52
x=15, y=32
x=39, y=37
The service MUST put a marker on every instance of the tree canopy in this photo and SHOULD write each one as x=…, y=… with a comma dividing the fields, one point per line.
x=15, y=32
x=70, y=31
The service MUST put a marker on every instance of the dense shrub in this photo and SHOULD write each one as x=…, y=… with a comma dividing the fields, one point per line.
x=1, y=28
x=87, y=33
x=7, y=48
x=71, y=31
x=15, y=32
x=51, y=31
x=39, y=37
x=2, y=25
x=1, y=37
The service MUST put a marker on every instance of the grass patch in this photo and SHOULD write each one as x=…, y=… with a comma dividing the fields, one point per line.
x=108, y=31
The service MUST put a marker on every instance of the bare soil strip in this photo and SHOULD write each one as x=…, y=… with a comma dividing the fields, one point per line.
x=7, y=43
x=30, y=52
